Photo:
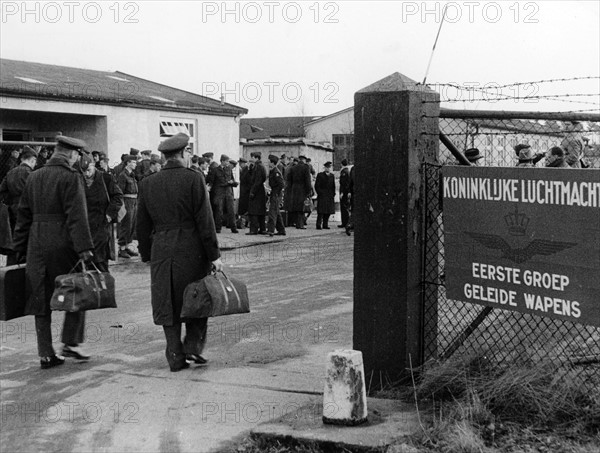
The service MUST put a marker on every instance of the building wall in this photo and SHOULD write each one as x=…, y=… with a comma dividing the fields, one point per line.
x=115, y=129
x=322, y=130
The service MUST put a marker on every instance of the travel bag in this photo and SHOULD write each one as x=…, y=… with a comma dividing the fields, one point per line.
x=81, y=291
x=12, y=292
x=215, y=295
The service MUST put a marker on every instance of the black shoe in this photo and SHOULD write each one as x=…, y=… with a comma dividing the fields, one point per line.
x=271, y=234
x=251, y=234
x=74, y=352
x=262, y=232
x=301, y=228
x=177, y=362
x=218, y=231
x=280, y=233
x=341, y=226
x=49, y=362
x=124, y=254
x=326, y=228
x=234, y=231
x=319, y=228
x=195, y=358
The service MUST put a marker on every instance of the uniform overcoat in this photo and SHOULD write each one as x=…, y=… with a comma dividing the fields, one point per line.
x=12, y=187
x=257, y=205
x=176, y=233
x=52, y=225
x=245, y=183
x=325, y=188
x=300, y=183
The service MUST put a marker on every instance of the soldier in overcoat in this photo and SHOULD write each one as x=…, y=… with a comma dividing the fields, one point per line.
x=276, y=184
x=245, y=183
x=300, y=182
x=52, y=228
x=222, y=183
x=257, y=204
x=176, y=234
x=325, y=188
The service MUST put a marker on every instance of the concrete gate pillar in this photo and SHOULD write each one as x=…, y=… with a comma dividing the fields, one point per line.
x=396, y=128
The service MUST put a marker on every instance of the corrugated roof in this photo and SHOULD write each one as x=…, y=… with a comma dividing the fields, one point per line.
x=45, y=81
x=279, y=127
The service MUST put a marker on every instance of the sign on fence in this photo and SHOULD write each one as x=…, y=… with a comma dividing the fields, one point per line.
x=524, y=239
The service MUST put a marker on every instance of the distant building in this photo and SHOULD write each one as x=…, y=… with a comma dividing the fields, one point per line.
x=111, y=111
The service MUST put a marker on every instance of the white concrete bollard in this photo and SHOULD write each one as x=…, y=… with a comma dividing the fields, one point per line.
x=345, y=395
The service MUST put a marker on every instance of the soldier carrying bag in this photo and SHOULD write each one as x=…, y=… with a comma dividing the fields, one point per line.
x=81, y=291
x=215, y=295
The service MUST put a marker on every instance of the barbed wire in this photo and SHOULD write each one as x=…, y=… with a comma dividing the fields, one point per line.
x=553, y=97
x=524, y=83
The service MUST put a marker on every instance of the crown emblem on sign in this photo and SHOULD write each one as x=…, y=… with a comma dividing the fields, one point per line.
x=516, y=223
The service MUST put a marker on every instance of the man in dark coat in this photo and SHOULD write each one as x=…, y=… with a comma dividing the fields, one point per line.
x=325, y=188
x=52, y=228
x=13, y=184
x=42, y=158
x=276, y=183
x=257, y=204
x=344, y=191
x=143, y=165
x=222, y=183
x=176, y=233
x=299, y=181
x=128, y=185
x=103, y=198
x=245, y=183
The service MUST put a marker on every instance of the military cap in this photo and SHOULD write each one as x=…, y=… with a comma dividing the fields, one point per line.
x=302, y=157
x=173, y=144
x=154, y=159
x=273, y=158
x=557, y=151
x=224, y=158
x=96, y=153
x=147, y=152
x=327, y=164
x=70, y=143
x=233, y=162
x=28, y=152
x=283, y=156
x=129, y=158
x=208, y=155
x=241, y=160
x=344, y=162
x=256, y=154
x=133, y=151
x=196, y=159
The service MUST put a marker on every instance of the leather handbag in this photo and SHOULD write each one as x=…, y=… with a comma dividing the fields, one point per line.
x=82, y=291
x=215, y=295
x=12, y=292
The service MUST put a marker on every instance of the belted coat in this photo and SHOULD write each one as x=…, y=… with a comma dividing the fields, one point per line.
x=299, y=184
x=12, y=187
x=52, y=226
x=325, y=188
x=176, y=233
x=257, y=205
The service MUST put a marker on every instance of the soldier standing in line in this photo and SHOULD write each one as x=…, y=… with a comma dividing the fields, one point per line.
x=257, y=204
x=276, y=183
x=325, y=188
x=299, y=181
x=143, y=165
x=245, y=183
x=129, y=187
x=14, y=183
x=344, y=191
x=177, y=235
x=52, y=228
x=222, y=183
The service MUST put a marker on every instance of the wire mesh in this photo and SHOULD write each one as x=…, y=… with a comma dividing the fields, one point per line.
x=457, y=329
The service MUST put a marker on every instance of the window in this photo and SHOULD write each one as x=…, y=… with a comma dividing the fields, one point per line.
x=171, y=126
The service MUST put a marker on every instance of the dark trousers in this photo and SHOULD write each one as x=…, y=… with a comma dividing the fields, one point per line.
x=257, y=223
x=221, y=202
x=195, y=337
x=344, y=204
x=127, y=225
x=72, y=334
x=275, y=219
x=299, y=219
x=323, y=221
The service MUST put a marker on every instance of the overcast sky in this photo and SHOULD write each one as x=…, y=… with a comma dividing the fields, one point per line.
x=309, y=58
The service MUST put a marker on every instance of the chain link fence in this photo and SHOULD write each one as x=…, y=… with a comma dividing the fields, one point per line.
x=457, y=329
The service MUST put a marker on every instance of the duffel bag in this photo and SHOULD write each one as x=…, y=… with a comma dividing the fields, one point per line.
x=81, y=291
x=12, y=292
x=215, y=295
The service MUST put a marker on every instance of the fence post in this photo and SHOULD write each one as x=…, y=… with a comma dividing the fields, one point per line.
x=396, y=128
